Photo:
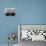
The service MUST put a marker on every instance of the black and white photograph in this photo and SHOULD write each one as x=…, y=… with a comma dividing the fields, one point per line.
x=10, y=11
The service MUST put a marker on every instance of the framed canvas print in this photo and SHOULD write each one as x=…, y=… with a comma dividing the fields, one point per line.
x=10, y=12
x=32, y=32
